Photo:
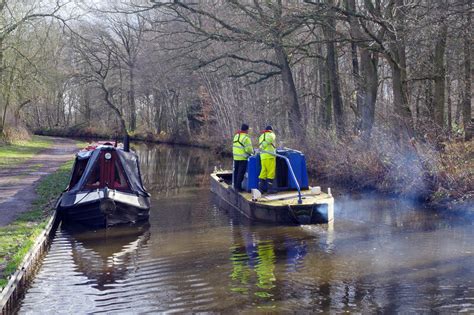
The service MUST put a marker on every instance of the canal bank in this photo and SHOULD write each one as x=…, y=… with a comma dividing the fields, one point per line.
x=17, y=284
x=28, y=190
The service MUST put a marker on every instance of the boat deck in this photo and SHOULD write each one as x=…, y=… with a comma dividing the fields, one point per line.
x=282, y=198
x=290, y=198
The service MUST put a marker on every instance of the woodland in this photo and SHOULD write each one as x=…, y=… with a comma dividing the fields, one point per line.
x=376, y=93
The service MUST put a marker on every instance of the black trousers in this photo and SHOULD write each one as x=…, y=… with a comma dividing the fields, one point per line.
x=240, y=167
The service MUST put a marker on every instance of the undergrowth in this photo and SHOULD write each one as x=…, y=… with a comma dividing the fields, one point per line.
x=419, y=169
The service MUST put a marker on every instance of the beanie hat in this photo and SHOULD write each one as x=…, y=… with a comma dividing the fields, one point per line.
x=244, y=127
x=268, y=127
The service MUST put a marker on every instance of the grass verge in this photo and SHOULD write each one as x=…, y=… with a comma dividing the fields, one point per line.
x=14, y=154
x=17, y=238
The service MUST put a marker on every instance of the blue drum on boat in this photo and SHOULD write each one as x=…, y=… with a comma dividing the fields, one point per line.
x=283, y=179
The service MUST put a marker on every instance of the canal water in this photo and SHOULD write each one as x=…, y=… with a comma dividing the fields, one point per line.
x=380, y=255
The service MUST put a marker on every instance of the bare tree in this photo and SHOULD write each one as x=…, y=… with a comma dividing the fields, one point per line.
x=264, y=25
x=14, y=15
x=467, y=100
x=96, y=57
x=129, y=30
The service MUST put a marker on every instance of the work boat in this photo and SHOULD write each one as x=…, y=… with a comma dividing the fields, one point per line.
x=105, y=188
x=293, y=201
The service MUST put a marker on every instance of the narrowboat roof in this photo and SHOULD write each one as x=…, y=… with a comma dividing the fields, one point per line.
x=128, y=160
x=87, y=151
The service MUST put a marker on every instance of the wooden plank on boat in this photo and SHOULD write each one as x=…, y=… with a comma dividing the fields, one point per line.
x=281, y=196
x=304, y=195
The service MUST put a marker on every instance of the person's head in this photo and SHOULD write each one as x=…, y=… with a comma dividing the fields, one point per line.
x=244, y=127
x=268, y=127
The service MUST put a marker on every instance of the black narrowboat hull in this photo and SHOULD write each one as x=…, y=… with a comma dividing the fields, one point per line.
x=283, y=213
x=103, y=208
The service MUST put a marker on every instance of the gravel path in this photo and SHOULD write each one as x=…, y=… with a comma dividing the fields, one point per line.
x=18, y=183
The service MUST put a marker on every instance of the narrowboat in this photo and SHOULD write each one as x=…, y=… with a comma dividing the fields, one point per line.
x=293, y=201
x=105, y=188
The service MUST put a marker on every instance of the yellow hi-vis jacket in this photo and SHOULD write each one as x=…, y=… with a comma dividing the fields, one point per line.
x=266, y=142
x=242, y=146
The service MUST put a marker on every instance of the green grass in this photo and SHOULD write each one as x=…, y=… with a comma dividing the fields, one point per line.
x=17, y=238
x=14, y=154
x=81, y=144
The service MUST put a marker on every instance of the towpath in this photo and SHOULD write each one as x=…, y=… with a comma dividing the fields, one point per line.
x=18, y=183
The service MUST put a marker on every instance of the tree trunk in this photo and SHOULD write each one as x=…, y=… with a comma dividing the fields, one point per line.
x=358, y=85
x=325, y=108
x=59, y=107
x=429, y=101
x=404, y=120
x=450, y=105
x=158, y=104
x=290, y=94
x=404, y=123
x=467, y=110
x=440, y=76
x=369, y=77
x=366, y=78
x=333, y=73
x=86, y=105
x=131, y=99
x=107, y=99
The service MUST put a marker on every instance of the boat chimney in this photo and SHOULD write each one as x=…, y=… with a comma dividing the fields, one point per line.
x=126, y=143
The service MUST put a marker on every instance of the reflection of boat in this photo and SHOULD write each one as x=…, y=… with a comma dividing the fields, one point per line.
x=105, y=188
x=105, y=255
x=294, y=203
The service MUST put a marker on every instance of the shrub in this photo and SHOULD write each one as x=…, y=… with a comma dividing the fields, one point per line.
x=16, y=134
x=419, y=169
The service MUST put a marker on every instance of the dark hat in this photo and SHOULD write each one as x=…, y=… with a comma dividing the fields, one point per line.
x=268, y=127
x=244, y=127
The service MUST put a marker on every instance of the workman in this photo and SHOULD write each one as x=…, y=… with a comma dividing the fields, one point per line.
x=266, y=143
x=241, y=149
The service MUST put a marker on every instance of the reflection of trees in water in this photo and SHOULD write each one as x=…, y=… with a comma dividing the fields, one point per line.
x=106, y=255
x=166, y=169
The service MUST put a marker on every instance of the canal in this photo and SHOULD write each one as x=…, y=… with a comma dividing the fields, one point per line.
x=380, y=255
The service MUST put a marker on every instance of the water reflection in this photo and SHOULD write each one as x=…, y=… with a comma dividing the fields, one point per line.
x=170, y=170
x=105, y=256
x=254, y=258
x=266, y=261
x=254, y=262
